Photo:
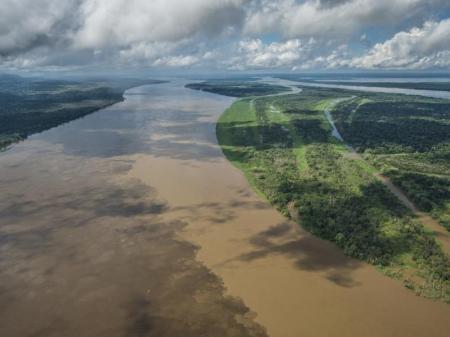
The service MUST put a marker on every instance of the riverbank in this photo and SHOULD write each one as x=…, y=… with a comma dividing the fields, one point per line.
x=292, y=159
x=294, y=283
x=130, y=221
x=32, y=105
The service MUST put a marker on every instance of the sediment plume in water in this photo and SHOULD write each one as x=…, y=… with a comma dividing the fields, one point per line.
x=130, y=222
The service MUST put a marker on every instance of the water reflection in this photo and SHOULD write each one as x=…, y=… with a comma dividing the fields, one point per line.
x=164, y=120
x=111, y=225
x=84, y=248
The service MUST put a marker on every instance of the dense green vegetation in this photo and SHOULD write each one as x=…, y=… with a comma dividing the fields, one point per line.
x=284, y=146
x=408, y=139
x=29, y=106
x=238, y=88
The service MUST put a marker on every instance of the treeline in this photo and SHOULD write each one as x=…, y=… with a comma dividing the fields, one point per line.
x=238, y=89
x=28, y=115
x=393, y=126
x=30, y=106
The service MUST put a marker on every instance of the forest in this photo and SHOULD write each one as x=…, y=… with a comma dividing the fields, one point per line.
x=408, y=140
x=237, y=88
x=32, y=105
x=284, y=146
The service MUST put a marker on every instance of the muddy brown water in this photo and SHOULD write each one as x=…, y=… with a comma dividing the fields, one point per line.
x=130, y=222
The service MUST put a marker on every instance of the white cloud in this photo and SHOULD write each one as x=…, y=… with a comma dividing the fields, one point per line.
x=336, y=59
x=220, y=33
x=122, y=22
x=144, y=52
x=255, y=54
x=314, y=18
x=25, y=24
x=425, y=47
x=176, y=61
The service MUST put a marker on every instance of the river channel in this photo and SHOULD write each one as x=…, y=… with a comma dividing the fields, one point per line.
x=131, y=222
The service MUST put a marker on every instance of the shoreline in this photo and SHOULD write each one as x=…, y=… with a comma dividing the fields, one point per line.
x=9, y=140
x=285, y=275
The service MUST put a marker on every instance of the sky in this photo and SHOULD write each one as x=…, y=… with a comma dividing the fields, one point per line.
x=239, y=35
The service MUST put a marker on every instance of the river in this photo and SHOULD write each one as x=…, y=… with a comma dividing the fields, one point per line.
x=130, y=222
x=417, y=92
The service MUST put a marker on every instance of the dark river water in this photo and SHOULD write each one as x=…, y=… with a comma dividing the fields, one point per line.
x=130, y=222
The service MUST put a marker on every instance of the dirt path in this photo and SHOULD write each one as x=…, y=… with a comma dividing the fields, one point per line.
x=442, y=235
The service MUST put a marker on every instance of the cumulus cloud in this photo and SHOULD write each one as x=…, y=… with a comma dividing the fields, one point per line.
x=25, y=24
x=146, y=51
x=337, y=58
x=255, y=54
x=177, y=61
x=121, y=22
x=237, y=34
x=332, y=18
x=428, y=46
